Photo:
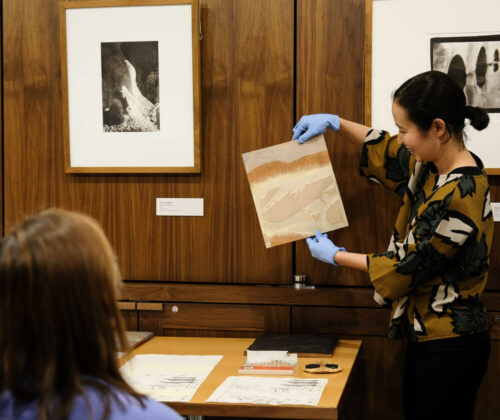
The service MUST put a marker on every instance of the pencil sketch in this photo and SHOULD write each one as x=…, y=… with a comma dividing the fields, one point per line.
x=473, y=62
x=294, y=191
x=130, y=86
x=166, y=377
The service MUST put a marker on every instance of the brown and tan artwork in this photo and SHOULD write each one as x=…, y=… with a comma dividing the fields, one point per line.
x=294, y=190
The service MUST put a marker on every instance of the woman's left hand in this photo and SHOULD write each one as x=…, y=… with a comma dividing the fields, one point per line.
x=323, y=248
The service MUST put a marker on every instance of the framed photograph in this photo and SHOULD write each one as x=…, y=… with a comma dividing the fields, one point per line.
x=466, y=46
x=473, y=62
x=131, y=86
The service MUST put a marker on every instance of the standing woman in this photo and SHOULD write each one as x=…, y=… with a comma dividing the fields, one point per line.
x=60, y=325
x=436, y=265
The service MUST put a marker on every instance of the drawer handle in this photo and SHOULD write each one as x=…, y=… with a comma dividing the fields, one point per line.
x=149, y=306
x=175, y=309
x=496, y=318
x=126, y=306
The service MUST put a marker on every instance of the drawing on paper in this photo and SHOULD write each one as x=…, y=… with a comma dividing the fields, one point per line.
x=168, y=377
x=473, y=62
x=294, y=191
x=273, y=391
x=130, y=86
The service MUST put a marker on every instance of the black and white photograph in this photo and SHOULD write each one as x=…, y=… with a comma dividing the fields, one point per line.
x=473, y=62
x=130, y=86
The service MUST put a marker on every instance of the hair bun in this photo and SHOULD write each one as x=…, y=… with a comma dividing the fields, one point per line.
x=478, y=118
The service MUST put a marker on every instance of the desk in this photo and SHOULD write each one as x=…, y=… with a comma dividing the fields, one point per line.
x=232, y=349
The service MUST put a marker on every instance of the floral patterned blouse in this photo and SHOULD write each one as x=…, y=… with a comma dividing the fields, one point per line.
x=436, y=266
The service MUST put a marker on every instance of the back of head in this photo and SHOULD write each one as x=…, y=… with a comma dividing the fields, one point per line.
x=434, y=94
x=58, y=314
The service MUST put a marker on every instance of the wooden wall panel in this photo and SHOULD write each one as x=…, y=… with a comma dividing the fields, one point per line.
x=330, y=47
x=247, y=103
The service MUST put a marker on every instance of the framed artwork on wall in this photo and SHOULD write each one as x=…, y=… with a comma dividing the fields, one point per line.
x=466, y=46
x=131, y=86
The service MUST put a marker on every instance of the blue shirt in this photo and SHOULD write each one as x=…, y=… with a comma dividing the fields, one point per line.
x=132, y=410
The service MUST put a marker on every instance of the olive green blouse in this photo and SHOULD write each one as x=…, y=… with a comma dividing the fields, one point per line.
x=436, y=266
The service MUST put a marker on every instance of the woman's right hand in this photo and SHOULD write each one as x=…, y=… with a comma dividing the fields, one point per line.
x=313, y=125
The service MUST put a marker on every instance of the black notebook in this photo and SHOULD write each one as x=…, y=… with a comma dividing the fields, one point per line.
x=305, y=345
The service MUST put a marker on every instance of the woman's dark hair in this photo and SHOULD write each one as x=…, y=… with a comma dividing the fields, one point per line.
x=434, y=94
x=60, y=327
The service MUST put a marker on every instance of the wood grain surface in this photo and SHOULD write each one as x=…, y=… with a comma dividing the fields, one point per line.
x=247, y=93
x=330, y=79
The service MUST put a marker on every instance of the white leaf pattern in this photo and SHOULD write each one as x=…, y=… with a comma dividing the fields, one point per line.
x=392, y=244
x=487, y=206
x=417, y=326
x=445, y=295
x=401, y=251
x=444, y=179
x=375, y=134
x=373, y=179
x=400, y=309
x=379, y=299
x=410, y=238
x=412, y=183
x=455, y=230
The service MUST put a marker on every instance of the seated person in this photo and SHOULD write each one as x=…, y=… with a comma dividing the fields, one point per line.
x=60, y=327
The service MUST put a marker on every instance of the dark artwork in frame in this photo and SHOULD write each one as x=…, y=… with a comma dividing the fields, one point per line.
x=130, y=86
x=474, y=63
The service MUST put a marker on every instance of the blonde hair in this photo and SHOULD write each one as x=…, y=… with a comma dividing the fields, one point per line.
x=60, y=327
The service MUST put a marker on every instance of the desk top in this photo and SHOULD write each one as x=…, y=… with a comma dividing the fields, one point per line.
x=233, y=351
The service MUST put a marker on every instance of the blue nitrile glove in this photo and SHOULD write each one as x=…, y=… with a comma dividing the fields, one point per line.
x=322, y=248
x=313, y=125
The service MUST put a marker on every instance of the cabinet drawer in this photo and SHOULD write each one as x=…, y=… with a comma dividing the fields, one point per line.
x=210, y=320
x=339, y=321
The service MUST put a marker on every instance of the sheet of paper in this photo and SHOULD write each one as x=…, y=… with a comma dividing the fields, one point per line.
x=273, y=391
x=168, y=377
x=294, y=190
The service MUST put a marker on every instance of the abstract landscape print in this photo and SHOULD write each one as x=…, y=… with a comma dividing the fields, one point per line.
x=294, y=190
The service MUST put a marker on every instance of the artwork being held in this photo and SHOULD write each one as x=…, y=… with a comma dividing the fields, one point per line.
x=294, y=191
x=473, y=62
x=130, y=86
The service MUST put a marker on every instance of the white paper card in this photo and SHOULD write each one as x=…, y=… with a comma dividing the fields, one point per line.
x=179, y=206
x=495, y=207
x=272, y=391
